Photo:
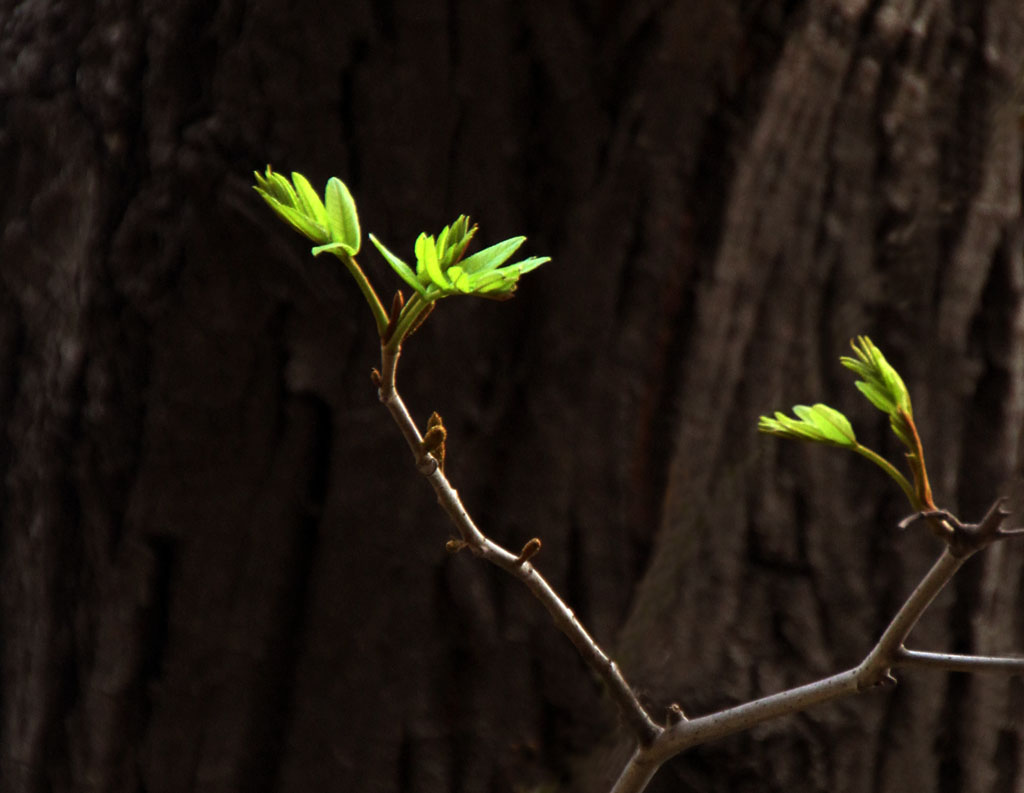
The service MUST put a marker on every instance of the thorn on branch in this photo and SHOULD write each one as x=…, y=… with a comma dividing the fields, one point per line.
x=991, y=527
x=529, y=551
x=880, y=678
x=940, y=521
x=675, y=715
x=375, y=377
x=964, y=539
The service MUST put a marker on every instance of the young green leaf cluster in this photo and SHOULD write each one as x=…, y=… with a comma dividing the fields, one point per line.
x=882, y=385
x=442, y=267
x=330, y=224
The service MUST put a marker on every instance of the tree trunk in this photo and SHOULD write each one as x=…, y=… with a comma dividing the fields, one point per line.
x=219, y=570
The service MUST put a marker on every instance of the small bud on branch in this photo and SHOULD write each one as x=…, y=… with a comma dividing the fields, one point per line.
x=530, y=550
x=434, y=438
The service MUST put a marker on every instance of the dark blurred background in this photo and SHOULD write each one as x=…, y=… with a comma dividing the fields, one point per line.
x=219, y=570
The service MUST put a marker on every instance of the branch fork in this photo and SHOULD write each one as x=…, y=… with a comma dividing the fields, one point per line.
x=875, y=670
x=965, y=539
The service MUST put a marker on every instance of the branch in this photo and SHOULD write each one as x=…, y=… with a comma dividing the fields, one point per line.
x=656, y=744
x=960, y=663
x=516, y=565
x=875, y=669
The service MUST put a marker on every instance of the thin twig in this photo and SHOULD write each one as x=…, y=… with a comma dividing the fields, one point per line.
x=376, y=307
x=952, y=662
x=876, y=665
x=639, y=721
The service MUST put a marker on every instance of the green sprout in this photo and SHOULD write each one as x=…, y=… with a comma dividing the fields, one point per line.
x=442, y=267
x=335, y=223
x=882, y=385
x=441, y=270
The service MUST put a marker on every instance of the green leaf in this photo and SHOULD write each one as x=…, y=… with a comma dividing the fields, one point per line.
x=494, y=281
x=308, y=200
x=876, y=396
x=883, y=387
x=286, y=202
x=342, y=218
x=463, y=235
x=281, y=183
x=492, y=257
x=426, y=256
x=505, y=279
x=818, y=423
x=881, y=384
x=526, y=265
x=441, y=247
x=295, y=218
x=277, y=187
x=460, y=280
x=452, y=241
x=833, y=425
x=784, y=426
x=404, y=271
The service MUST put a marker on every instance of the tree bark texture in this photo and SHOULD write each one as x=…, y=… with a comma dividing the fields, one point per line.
x=218, y=569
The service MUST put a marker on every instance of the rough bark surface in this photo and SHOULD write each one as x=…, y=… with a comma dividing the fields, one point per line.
x=218, y=571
